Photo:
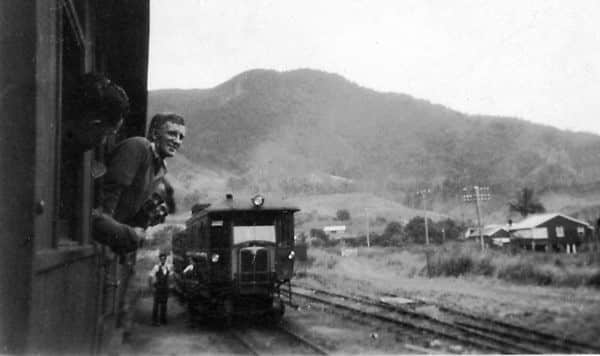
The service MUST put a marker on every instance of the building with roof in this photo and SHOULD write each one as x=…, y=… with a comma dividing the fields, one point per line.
x=493, y=234
x=336, y=232
x=551, y=232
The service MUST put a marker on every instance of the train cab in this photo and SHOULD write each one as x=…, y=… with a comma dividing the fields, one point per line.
x=244, y=252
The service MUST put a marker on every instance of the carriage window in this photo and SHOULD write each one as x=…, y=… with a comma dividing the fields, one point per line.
x=70, y=192
x=253, y=233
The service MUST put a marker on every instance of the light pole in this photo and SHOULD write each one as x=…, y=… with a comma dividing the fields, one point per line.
x=477, y=194
x=423, y=194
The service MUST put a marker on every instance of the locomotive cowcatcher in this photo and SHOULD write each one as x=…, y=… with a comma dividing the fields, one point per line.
x=234, y=257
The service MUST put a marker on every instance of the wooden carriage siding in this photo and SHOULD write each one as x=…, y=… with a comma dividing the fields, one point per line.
x=56, y=291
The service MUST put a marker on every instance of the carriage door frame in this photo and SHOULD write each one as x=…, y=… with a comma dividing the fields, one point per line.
x=64, y=283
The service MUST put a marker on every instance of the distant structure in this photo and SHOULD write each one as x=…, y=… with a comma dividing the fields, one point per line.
x=335, y=232
x=551, y=232
x=493, y=234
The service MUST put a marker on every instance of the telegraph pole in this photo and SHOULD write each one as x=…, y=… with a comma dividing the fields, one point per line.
x=423, y=194
x=477, y=194
x=368, y=228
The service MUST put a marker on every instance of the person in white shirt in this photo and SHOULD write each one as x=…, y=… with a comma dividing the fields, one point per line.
x=158, y=279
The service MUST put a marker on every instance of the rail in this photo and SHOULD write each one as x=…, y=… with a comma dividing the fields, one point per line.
x=468, y=329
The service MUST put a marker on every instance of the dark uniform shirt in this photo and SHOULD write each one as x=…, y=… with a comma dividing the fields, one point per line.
x=133, y=169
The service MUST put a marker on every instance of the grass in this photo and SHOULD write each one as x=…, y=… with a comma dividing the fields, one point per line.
x=524, y=267
x=464, y=259
x=456, y=259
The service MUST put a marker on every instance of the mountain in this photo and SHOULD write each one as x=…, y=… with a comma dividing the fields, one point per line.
x=309, y=132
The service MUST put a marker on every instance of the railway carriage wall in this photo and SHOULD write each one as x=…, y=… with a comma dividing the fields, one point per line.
x=57, y=287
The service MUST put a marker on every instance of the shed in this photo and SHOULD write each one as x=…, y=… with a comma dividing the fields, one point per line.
x=551, y=232
x=493, y=234
x=488, y=231
x=334, y=229
x=335, y=232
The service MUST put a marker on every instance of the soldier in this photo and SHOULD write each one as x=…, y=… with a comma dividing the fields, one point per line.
x=158, y=279
x=95, y=109
x=135, y=167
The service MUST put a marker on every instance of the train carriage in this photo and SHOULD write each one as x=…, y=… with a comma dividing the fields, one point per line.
x=234, y=257
x=58, y=288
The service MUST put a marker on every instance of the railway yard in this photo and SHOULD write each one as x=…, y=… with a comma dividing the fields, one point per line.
x=319, y=322
x=326, y=315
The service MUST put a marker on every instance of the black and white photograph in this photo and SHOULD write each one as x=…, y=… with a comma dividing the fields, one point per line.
x=285, y=177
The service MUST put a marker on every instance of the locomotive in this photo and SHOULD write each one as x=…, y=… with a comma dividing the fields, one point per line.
x=234, y=257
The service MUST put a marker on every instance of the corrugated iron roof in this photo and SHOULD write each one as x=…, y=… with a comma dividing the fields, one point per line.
x=538, y=219
x=487, y=230
x=491, y=229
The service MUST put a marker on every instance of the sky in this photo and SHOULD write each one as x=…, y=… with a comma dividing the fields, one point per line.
x=534, y=60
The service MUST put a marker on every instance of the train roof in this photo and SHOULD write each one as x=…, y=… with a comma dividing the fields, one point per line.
x=245, y=203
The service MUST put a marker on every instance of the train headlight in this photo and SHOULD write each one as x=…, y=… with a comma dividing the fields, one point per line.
x=258, y=201
x=215, y=257
x=291, y=255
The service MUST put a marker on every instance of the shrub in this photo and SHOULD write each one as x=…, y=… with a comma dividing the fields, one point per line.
x=484, y=267
x=454, y=266
x=393, y=228
x=319, y=234
x=526, y=272
x=343, y=215
x=594, y=280
x=316, y=243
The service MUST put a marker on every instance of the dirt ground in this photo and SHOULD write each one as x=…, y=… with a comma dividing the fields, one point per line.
x=340, y=335
x=565, y=312
x=175, y=338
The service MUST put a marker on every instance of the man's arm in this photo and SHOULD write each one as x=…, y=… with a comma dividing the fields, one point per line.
x=119, y=237
x=151, y=277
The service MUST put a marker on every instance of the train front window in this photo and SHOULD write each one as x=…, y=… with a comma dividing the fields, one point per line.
x=253, y=233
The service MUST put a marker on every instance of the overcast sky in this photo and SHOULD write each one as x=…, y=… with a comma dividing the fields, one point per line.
x=536, y=60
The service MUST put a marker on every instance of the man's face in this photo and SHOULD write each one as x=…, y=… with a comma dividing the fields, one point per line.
x=163, y=259
x=168, y=139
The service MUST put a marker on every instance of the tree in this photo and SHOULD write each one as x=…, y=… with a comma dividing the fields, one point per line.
x=343, y=215
x=415, y=229
x=393, y=228
x=526, y=202
x=319, y=234
x=393, y=235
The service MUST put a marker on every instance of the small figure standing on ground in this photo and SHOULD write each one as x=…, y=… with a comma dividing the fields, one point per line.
x=194, y=276
x=159, y=284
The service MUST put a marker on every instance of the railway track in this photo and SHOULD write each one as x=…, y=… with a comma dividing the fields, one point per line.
x=276, y=340
x=479, y=332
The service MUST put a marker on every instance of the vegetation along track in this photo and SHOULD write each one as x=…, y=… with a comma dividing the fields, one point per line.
x=476, y=331
x=274, y=340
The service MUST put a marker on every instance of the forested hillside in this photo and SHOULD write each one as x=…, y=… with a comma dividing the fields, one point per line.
x=306, y=131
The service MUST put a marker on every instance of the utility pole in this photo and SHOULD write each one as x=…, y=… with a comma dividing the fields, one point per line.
x=423, y=194
x=368, y=228
x=477, y=194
